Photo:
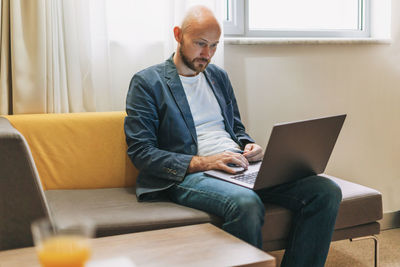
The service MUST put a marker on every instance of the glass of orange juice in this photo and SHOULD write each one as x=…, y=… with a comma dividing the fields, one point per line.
x=61, y=243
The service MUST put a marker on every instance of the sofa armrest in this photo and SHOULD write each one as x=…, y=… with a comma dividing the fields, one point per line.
x=21, y=194
x=360, y=204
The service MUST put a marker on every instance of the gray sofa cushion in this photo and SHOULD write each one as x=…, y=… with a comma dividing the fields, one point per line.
x=117, y=211
x=360, y=205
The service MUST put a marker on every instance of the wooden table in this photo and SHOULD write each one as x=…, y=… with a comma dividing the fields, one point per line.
x=195, y=245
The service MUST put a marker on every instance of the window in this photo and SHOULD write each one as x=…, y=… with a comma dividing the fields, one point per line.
x=294, y=18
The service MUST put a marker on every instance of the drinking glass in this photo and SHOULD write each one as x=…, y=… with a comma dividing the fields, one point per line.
x=62, y=243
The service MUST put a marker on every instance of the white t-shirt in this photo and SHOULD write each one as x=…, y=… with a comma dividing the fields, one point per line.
x=212, y=138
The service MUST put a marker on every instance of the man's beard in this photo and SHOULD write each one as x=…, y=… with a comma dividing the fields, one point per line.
x=190, y=63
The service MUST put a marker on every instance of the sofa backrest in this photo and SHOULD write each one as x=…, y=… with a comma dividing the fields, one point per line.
x=78, y=150
x=22, y=198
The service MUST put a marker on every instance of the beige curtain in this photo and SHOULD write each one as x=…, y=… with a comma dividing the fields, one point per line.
x=54, y=56
x=5, y=63
x=62, y=56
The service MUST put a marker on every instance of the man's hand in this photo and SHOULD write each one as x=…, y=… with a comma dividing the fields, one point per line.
x=218, y=162
x=253, y=152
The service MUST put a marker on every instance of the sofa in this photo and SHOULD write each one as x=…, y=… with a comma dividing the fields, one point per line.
x=66, y=166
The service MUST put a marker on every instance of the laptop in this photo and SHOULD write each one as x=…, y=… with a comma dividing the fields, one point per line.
x=295, y=150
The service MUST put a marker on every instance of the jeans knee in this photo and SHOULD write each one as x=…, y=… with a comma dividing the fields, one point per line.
x=244, y=216
x=249, y=205
x=331, y=194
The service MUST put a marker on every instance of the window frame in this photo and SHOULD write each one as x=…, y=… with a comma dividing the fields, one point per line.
x=238, y=26
x=235, y=26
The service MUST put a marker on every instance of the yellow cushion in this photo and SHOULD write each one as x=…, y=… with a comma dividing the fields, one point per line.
x=78, y=150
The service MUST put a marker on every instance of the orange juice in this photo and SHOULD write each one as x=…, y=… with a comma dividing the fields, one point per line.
x=64, y=251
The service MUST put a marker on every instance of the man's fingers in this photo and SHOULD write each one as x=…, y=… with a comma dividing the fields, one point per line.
x=226, y=168
x=248, y=154
x=239, y=161
x=229, y=170
x=252, y=153
x=235, y=159
x=255, y=158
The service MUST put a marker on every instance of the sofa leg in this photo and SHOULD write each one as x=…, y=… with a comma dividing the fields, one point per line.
x=376, y=260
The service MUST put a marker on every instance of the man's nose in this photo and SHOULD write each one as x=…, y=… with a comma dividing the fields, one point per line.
x=206, y=52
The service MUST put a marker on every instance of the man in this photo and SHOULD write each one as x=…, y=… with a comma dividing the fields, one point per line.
x=183, y=119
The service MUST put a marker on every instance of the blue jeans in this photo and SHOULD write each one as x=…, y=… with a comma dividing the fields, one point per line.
x=314, y=201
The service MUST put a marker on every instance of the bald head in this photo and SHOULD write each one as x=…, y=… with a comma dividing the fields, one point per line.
x=199, y=18
x=197, y=39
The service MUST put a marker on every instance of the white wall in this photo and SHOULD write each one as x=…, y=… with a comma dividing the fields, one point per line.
x=278, y=83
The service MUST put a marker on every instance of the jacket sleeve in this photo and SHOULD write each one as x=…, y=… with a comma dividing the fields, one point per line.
x=238, y=127
x=141, y=127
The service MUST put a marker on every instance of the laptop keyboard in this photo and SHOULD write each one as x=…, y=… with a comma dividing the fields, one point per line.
x=249, y=178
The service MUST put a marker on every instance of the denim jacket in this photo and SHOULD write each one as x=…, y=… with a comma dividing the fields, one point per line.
x=159, y=128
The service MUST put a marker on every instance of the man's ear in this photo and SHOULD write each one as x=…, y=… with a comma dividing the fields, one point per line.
x=178, y=34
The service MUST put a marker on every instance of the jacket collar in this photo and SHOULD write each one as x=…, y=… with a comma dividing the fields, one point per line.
x=177, y=91
x=212, y=81
x=176, y=88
